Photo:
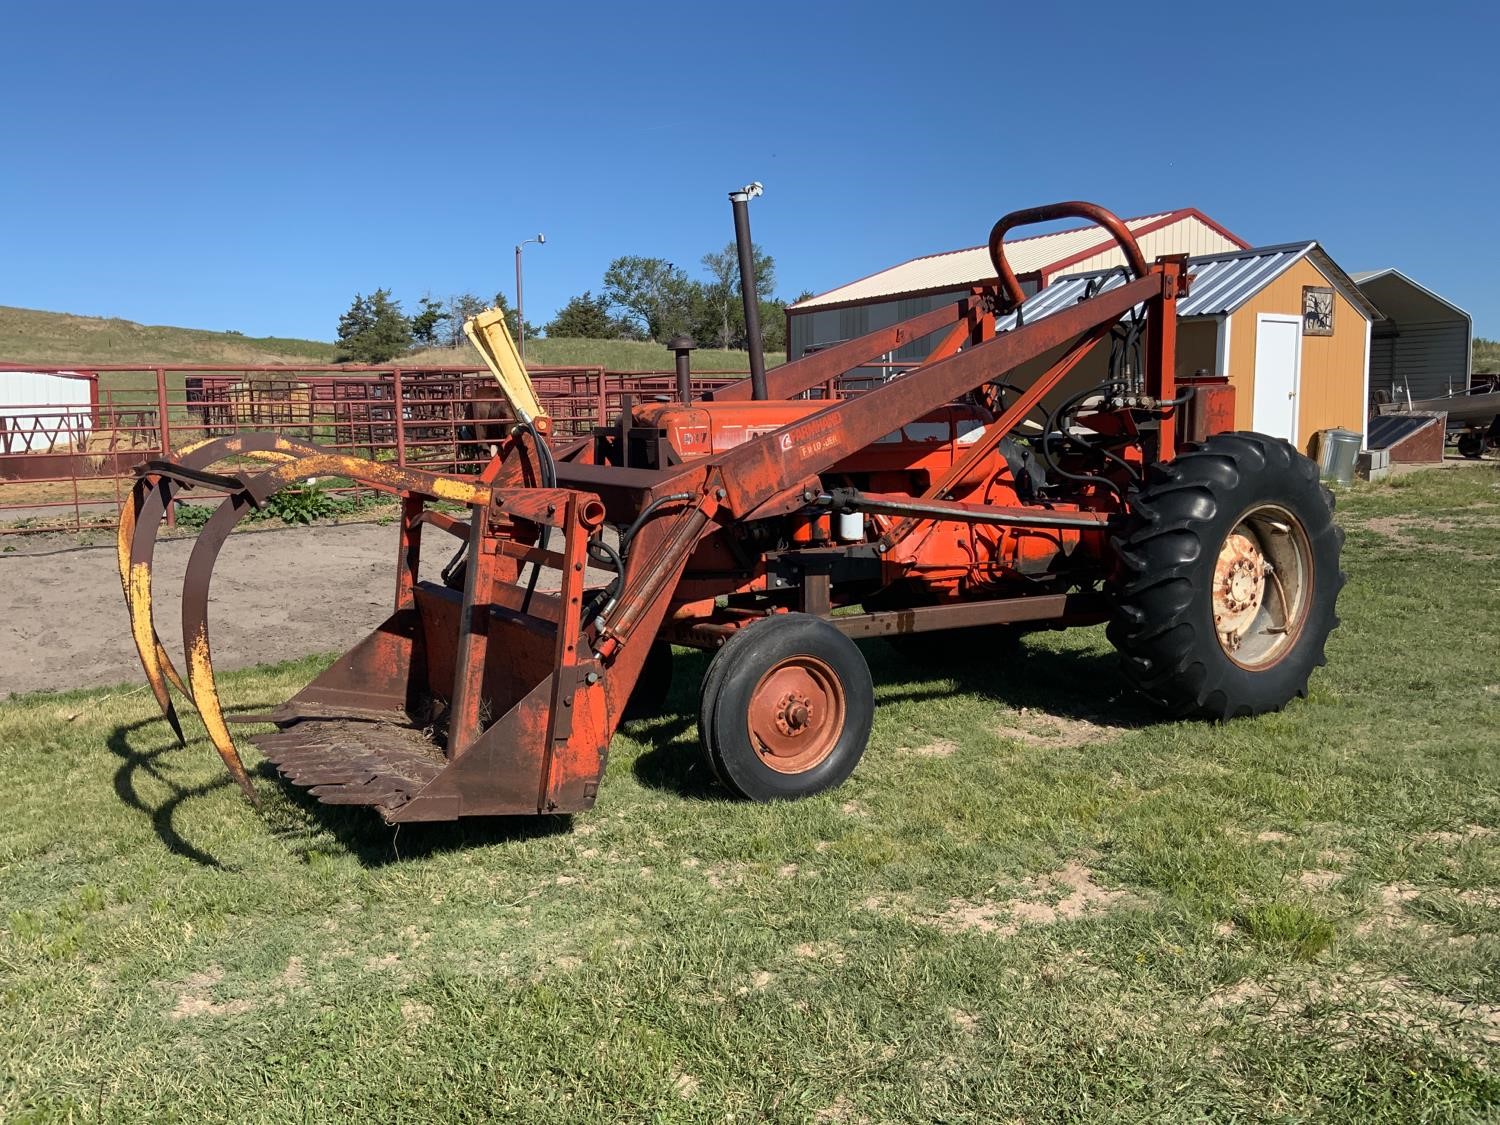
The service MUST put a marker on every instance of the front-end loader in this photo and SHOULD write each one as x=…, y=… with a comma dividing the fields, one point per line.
x=1028, y=473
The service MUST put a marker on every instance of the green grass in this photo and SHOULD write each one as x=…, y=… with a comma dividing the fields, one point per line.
x=33, y=336
x=1032, y=902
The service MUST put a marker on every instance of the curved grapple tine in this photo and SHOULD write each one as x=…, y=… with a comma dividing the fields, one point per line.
x=140, y=524
x=201, y=684
x=137, y=535
x=195, y=588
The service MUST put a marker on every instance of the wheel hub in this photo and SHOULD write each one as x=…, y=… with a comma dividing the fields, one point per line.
x=793, y=713
x=796, y=714
x=1239, y=587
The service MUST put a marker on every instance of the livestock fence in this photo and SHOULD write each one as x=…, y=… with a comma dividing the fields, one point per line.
x=70, y=437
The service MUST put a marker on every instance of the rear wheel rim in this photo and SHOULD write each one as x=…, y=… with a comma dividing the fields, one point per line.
x=1262, y=587
x=796, y=714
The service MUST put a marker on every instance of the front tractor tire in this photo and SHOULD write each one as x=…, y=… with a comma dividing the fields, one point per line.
x=1228, y=574
x=786, y=709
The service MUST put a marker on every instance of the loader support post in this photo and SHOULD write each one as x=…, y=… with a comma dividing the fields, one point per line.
x=1161, y=354
x=408, y=557
x=565, y=658
x=464, y=724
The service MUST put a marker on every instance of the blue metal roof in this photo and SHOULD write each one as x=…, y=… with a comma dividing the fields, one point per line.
x=1220, y=283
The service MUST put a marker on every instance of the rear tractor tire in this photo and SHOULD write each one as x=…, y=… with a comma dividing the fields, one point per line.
x=1228, y=578
x=786, y=709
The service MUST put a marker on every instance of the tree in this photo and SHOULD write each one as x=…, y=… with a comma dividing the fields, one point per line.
x=460, y=308
x=373, y=330
x=722, y=293
x=586, y=317
x=652, y=292
x=425, y=324
x=773, y=326
x=466, y=306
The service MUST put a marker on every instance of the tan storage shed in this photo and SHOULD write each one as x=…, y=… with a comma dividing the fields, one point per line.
x=1284, y=323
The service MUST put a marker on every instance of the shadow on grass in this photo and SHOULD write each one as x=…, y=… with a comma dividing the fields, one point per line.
x=163, y=815
x=1083, y=686
x=300, y=820
x=295, y=817
x=1070, y=685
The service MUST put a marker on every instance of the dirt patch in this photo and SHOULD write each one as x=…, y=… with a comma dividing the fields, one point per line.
x=825, y=952
x=1060, y=896
x=1041, y=728
x=1319, y=879
x=195, y=997
x=414, y=1013
x=294, y=975
x=1274, y=837
x=942, y=748
x=1461, y=836
x=1358, y=999
x=760, y=980
x=277, y=595
x=967, y=1022
x=840, y=1111
x=1397, y=530
x=1390, y=907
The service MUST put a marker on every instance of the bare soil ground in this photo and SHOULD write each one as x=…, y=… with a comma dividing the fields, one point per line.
x=277, y=595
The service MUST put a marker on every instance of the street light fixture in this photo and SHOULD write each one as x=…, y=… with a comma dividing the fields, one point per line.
x=540, y=240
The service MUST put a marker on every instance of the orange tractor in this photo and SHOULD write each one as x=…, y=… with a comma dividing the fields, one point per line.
x=983, y=488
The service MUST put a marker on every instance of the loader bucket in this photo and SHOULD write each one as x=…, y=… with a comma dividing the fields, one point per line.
x=475, y=701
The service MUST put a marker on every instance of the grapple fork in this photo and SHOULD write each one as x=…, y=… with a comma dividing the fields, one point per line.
x=484, y=700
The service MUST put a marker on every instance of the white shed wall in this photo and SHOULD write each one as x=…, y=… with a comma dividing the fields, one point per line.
x=40, y=411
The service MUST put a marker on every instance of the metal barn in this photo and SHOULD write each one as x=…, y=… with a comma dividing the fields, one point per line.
x=1421, y=345
x=922, y=284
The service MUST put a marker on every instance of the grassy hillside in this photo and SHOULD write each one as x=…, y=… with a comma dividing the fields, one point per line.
x=32, y=336
x=617, y=355
x=1486, y=354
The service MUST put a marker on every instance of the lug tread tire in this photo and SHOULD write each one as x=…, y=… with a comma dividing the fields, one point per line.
x=1162, y=623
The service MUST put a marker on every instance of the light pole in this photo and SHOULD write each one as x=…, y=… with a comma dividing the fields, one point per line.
x=540, y=239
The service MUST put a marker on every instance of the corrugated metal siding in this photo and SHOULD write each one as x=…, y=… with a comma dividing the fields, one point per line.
x=963, y=268
x=1426, y=360
x=34, y=404
x=1422, y=345
x=1190, y=236
x=1219, y=284
x=831, y=326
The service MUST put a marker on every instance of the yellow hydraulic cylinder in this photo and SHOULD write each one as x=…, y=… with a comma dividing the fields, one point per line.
x=491, y=336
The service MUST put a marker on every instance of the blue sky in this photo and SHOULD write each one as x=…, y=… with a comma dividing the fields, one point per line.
x=253, y=166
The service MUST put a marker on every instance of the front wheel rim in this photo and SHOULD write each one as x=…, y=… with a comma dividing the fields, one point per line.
x=796, y=714
x=1262, y=587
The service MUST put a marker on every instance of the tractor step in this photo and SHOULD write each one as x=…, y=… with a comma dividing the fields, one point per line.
x=359, y=761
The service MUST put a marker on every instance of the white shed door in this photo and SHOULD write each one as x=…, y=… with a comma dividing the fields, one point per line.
x=1278, y=361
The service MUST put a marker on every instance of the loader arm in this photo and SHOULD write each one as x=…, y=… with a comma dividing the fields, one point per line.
x=491, y=337
x=758, y=470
